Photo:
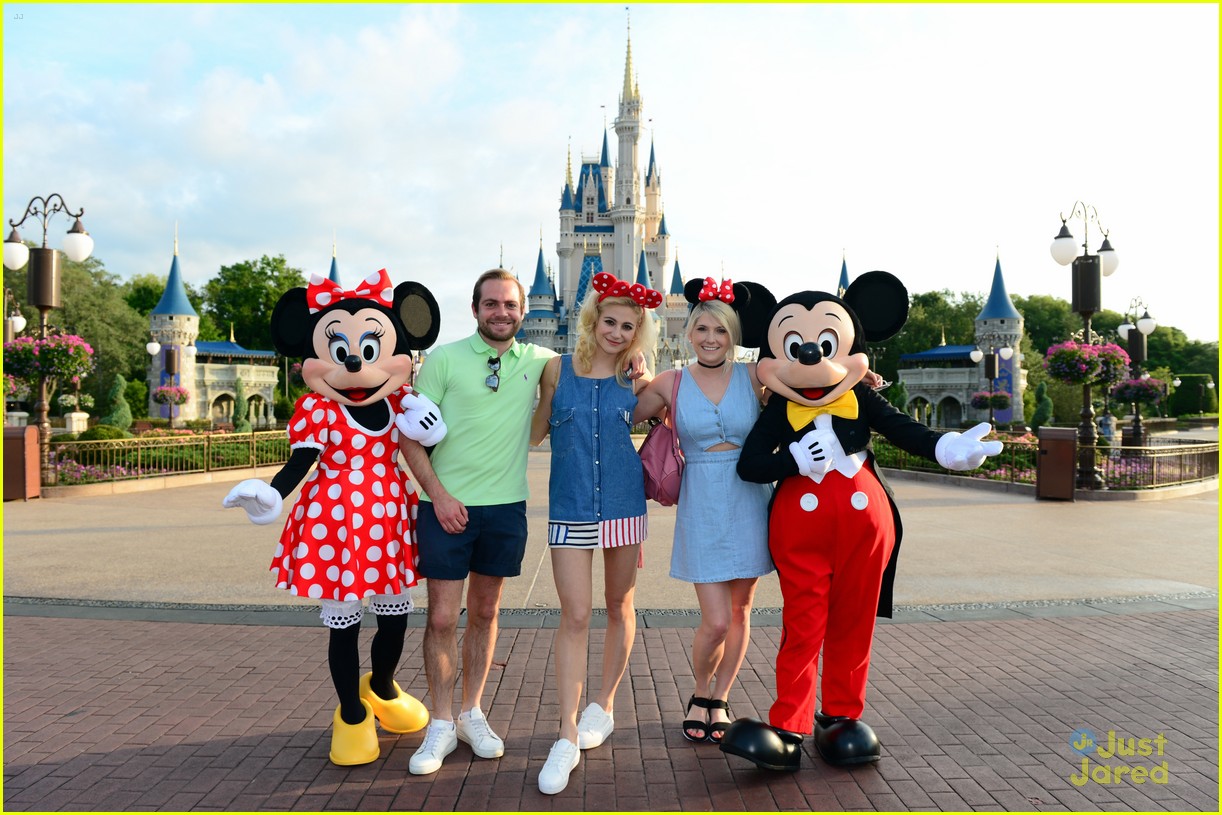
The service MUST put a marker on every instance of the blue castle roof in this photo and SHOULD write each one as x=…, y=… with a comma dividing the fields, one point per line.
x=605, y=161
x=228, y=349
x=566, y=198
x=649, y=172
x=662, y=230
x=843, y=285
x=334, y=275
x=174, y=298
x=999, y=306
x=542, y=287
x=943, y=353
x=642, y=272
x=676, y=281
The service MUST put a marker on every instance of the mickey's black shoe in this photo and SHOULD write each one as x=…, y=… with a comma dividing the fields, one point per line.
x=768, y=747
x=843, y=741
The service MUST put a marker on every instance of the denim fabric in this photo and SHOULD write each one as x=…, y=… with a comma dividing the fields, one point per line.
x=596, y=471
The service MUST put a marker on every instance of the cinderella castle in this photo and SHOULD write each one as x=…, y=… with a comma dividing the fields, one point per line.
x=611, y=220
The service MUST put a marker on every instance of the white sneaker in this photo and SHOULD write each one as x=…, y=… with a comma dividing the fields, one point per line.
x=595, y=726
x=474, y=730
x=554, y=776
x=439, y=741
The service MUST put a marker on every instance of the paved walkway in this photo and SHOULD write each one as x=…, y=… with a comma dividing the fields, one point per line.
x=148, y=665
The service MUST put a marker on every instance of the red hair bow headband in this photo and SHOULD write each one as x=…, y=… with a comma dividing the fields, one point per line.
x=323, y=292
x=711, y=292
x=608, y=285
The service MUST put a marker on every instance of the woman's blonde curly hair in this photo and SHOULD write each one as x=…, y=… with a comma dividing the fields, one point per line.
x=645, y=340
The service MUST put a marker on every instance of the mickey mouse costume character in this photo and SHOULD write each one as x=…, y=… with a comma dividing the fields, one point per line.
x=834, y=530
x=351, y=533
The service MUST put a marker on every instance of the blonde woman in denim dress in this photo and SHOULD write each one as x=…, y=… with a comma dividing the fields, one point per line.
x=596, y=502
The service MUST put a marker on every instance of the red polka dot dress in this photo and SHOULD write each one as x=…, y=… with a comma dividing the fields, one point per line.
x=352, y=531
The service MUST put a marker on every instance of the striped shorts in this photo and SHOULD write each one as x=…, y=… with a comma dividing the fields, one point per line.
x=599, y=534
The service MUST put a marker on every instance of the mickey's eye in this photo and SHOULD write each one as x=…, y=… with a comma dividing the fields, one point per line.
x=792, y=343
x=371, y=347
x=829, y=343
x=338, y=348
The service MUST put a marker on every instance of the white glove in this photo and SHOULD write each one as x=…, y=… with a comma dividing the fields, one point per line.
x=813, y=452
x=261, y=502
x=966, y=451
x=421, y=420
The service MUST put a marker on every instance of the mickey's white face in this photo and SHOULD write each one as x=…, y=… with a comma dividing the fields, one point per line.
x=812, y=364
x=355, y=363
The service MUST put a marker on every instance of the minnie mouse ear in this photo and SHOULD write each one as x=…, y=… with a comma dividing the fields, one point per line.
x=754, y=305
x=691, y=290
x=880, y=301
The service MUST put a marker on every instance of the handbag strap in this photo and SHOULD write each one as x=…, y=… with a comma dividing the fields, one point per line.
x=673, y=415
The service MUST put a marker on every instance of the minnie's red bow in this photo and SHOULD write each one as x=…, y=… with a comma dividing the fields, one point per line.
x=711, y=291
x=608, y=285
x=323, y=292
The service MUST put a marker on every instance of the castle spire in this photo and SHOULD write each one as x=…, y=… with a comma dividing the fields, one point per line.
x=174, y=298
x=628, y=92
x=334, y=275
x=843, y=285
x=998, y=306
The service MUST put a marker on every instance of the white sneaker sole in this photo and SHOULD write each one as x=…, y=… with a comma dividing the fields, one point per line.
x=431, y=767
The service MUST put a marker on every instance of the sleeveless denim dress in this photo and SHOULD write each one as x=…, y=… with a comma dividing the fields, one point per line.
x=721, y=526
x=596, y=490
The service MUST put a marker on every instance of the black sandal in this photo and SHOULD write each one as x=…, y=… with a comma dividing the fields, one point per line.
x=697, y=724
x=718, y=729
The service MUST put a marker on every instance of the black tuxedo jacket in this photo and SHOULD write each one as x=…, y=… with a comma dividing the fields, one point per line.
x=765, y=456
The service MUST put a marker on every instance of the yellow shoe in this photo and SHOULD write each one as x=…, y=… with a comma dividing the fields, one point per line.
x=404, y=714
x=354, y=743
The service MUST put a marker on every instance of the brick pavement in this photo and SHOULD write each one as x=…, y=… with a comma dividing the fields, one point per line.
x=123, y=714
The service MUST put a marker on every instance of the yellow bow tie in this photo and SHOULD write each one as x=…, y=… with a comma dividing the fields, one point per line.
x=801, y=415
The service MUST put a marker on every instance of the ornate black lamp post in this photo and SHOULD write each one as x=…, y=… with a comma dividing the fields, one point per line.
x=1133, y=333
x=998, y=351
x=43, y=279
x=1087, y=300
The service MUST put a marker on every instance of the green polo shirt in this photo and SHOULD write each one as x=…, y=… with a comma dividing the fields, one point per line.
x=482, y=459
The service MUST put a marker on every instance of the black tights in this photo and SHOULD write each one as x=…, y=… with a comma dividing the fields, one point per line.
x=343, y=655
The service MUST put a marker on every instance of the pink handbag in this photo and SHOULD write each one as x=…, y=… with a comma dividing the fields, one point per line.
x=661, y=457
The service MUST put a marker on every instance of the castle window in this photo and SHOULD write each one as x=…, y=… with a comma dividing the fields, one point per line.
x=589, y=217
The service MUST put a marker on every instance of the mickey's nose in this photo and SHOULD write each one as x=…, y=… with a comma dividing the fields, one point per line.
x=353, y=363
x=809, y=353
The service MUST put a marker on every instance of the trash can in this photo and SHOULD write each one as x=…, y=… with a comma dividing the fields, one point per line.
x=21, y=463
x=1056, y=468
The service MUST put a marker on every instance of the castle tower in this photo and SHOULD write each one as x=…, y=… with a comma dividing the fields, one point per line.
x=1000, y=325
x=174, y=324
x=541, y=320
x=843, y=285
x=673, y=314
x=627, y=210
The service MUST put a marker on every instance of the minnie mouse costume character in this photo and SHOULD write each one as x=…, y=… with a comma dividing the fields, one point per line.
x=834, y=530
x=351, y=534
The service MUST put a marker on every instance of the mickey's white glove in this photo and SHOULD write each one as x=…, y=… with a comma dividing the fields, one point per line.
x=421, y=420
x=813, y=452
x=261, y=502
x=966, y=451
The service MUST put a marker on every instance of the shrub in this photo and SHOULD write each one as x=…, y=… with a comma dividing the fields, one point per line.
x=104, y=432
x=241, y=424
x=119, y=412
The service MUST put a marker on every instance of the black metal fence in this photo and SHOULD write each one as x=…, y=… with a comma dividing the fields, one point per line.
x=1163, y=463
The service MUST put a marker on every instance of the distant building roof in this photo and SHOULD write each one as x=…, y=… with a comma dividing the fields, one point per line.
x=229, y=349
x=943, y=353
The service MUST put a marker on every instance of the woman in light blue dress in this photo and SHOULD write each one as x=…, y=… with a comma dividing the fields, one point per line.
x=721, y=525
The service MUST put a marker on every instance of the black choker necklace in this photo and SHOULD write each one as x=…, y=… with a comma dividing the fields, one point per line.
x=703, y=365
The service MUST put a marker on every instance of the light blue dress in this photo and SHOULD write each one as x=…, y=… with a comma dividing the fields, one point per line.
x=721, y=526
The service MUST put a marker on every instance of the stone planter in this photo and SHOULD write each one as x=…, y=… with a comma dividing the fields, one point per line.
x=76, y=422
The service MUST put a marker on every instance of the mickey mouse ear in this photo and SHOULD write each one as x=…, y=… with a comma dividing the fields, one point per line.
x=880, y=301
x=754, y=304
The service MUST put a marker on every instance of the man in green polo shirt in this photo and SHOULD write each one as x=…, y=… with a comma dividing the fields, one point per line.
x=472, y=519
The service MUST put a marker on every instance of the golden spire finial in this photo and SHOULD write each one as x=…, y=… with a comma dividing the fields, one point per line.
x=333, y=243
x=568, y=166
x=176, y=239
x=231, y=339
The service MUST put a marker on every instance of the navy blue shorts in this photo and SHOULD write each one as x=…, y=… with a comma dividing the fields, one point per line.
x=493, y=543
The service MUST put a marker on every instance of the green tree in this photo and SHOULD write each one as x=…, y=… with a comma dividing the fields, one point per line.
x=136, y=394
x=118, y=412
x=241, y=424
x=897, y=395
x=244, y=294
x=931, y=316
x=1047, y=320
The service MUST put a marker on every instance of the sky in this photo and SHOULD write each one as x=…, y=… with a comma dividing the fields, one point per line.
x=927, y=140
